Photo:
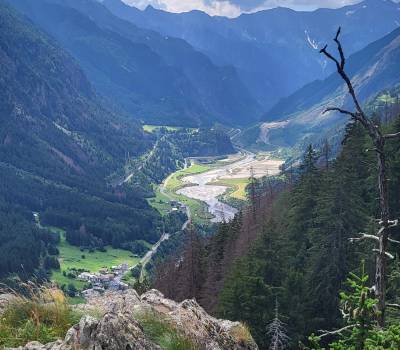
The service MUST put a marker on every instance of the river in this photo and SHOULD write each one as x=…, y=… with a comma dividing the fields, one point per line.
x=202, y=188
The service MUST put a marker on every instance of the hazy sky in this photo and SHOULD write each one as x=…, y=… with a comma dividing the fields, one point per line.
x=233, y=8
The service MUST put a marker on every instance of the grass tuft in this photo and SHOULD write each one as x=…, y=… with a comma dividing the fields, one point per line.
x=162, y=332
x=39, y=314
x=241, y=334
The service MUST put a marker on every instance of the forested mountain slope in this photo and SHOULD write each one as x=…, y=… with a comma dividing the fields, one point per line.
x=57, y=147
x=153, y=77
x=291, y=246
x=271, y=44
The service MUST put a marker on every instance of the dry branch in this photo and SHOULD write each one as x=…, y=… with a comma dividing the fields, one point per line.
x=392, y=136
x=364, y=236
x=338, y=331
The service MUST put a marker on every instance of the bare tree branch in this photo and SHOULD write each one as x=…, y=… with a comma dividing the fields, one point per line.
x=390, y=256
x=393, y=241
x=327, y=54
x=340, y=110
x=391, y=136
x=396, y=306
x=338, y=331
x=364, y=236
x=372, y=149
x=340, y=49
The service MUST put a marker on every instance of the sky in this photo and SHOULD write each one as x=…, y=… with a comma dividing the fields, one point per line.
x=233, y=8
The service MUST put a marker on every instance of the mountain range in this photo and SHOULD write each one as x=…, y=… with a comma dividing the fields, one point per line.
x=268, y=45
x=150, y=77
x=192, y=69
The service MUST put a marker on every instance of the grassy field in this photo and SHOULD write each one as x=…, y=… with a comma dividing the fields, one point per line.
x=72, y=257
x=174, y=182
x=198, y=209
x=152, y=128
x=160, y=202
x=238, y=187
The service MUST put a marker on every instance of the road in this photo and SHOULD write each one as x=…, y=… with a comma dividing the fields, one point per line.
x=144, y=261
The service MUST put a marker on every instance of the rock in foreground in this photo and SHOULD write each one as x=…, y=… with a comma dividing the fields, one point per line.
x=117, y=323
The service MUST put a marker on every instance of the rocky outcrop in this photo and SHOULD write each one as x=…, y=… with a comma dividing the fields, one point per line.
x=112, y=332
x=5, y=299
x=118, y=325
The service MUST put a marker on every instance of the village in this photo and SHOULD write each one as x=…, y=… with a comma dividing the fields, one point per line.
x=104, y=279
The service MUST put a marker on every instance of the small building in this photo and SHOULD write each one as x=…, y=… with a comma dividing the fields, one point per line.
x=124, y=267
x=117, y=285
x=93, y=292
x=89, y=277
x=106, y=278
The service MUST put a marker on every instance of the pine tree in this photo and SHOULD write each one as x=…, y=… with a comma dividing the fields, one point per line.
x=340, y=214
x=303, y=203
x=254, y=283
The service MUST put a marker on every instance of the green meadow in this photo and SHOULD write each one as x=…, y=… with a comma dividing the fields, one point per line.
x=71, y=257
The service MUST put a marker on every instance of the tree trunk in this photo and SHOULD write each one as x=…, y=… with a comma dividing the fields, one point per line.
x=380, y=273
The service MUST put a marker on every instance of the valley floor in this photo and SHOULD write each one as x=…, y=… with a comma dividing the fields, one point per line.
x=201, y=186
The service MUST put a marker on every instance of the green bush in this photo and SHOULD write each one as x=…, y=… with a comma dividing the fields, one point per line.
x=361, y=331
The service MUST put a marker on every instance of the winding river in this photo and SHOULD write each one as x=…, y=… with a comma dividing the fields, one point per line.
x=202, y=188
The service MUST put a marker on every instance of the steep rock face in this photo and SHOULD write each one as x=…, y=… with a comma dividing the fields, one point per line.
x=119, y=327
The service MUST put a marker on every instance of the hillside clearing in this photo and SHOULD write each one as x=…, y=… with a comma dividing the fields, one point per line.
x=71, y=257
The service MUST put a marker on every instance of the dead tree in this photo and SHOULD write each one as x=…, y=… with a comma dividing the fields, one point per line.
x=382, y=237
x=276, y=330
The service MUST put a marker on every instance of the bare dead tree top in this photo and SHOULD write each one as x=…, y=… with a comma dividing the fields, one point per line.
x=359, y=114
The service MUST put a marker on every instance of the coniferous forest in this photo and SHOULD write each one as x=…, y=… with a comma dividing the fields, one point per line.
x=292, y=245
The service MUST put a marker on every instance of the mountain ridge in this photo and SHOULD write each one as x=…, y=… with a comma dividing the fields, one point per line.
x=263, y=46
x=173, y=85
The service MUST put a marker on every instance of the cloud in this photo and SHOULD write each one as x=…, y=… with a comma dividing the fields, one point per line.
x=233, y=8
x=212, y=7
